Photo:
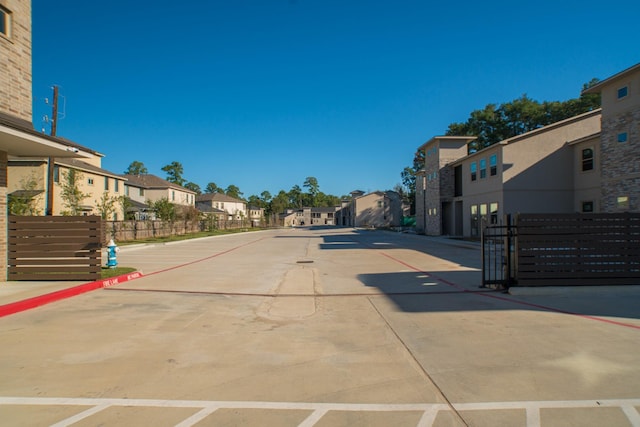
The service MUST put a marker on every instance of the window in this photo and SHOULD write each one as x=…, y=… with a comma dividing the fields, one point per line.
x=493, y=208
x=623, y=202
x=587, y=159
x=56, y=173
x=622, y=137
x=126, y=190
x=173, y=196
x=141, y=192
x=379, y=203
x=493, y=165
x=474, y=170
x=116, y=186
x=587, y=207
x=106, y=183
x=623, y=92
x=483, y=168
x=90, y=181
x=5, y=22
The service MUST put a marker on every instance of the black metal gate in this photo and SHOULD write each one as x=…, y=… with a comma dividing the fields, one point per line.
x=499, y=254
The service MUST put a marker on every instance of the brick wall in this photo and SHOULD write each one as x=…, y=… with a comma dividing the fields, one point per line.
x=620, y=161
x=15, y=73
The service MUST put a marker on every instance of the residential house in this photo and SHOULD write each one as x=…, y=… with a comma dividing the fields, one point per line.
x=138, y=207
x=17, y=135
x=102, y=189
x=234, y=209
x=287, y=218
x=146, y=188
x=620, y=140
x=378, y=209
x=532, y=172
x=256, y=216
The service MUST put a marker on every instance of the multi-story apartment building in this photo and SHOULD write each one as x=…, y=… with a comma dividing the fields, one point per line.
x=587, y=163
x=457, y=193
x=378, y=209
x=620, y=140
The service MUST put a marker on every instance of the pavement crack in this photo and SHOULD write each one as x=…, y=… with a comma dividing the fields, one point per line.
x=417, y=362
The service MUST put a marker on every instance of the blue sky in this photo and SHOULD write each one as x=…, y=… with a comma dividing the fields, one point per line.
x=264, y=93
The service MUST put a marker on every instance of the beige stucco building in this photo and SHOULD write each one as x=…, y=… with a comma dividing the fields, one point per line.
x=18, y=139
x=235, y=209
x=146, y=188
x=379, y=209
x=536, y=172
x=100, y=187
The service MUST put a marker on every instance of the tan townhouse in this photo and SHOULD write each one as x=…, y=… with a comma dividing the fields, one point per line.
x=533, y=172
x=147, y=188
x=378, y=209
x=17, y=136
x=101, y=190
x=234, y=209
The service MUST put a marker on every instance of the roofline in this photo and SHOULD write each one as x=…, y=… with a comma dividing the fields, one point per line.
x=597, y=88
x=527, y=135
x=584, y=138
x=467, y=139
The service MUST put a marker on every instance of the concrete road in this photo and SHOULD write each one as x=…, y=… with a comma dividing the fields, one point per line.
x=320, y=327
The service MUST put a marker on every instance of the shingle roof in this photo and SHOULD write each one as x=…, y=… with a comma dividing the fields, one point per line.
x=26, y=127
x=217, y=197
x=79, y=164
x=149, y=181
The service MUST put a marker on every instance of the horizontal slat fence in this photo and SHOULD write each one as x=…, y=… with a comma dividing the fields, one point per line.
x=55, y=247
x=578, y=249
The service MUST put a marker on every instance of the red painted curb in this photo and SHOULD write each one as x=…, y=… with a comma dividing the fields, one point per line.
x=27, y=304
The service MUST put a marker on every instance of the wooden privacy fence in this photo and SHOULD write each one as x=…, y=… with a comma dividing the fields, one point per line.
x=137, y=230
x=54, y=247
x=578, y=249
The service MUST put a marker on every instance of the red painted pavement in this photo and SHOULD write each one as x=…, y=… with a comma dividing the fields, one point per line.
x=27, y=304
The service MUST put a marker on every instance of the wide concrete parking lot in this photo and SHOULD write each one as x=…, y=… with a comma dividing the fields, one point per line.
x=320, y=327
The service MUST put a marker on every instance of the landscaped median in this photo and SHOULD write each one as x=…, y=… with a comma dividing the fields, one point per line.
x=27, y=304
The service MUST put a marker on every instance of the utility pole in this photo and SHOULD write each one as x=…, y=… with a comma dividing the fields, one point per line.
x=54, y=126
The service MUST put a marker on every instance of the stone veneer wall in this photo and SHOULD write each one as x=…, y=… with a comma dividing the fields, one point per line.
x=15, y=73
x=620, y=162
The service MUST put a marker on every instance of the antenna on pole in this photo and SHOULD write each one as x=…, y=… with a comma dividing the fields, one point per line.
x=50, y=166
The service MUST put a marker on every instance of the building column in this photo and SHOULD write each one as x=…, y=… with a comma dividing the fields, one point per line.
x=3, y=217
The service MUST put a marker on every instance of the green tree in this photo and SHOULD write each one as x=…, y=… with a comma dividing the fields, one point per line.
x=174, y=172
x=212, y=188
x=295, y=197
x=496, y=123
x=311, y=184
x=233, y=191
x=136, y=168
x=279, y=203
x=126, y=204
x=71, y=195
x=193, y=187
x=107, y=205
x=164, y=209
x=23, y=201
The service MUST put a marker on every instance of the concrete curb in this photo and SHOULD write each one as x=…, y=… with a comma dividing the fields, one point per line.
x=27, y=304
x=573, y=290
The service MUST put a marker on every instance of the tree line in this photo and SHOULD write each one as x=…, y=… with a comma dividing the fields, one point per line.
x=495, y=123
x=309, y=195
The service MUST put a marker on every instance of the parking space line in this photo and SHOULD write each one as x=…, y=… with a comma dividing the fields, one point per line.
x=429, y=410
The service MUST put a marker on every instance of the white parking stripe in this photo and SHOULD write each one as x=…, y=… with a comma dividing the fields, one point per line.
x=429, y=410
